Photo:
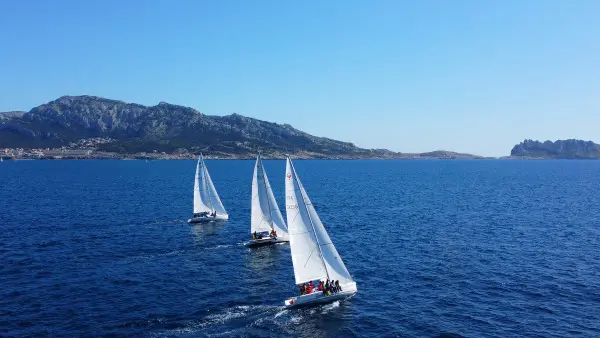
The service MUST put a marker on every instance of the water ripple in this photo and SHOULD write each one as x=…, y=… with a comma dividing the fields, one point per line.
x=438, y=248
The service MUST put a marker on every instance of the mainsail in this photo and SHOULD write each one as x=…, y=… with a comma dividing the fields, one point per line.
x=266, y=215
x=313, y=254
x=205, y=194
x=200, y=190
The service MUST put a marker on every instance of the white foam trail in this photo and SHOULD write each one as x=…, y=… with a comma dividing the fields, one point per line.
x=211, y=321
x=295, y=319
x=221, y=246
x=329, y=307
x=280, y=313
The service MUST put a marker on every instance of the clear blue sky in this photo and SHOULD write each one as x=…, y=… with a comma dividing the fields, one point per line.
x=474, y=76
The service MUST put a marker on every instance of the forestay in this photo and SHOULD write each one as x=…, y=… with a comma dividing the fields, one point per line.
x=313, y=254
x=266, y=215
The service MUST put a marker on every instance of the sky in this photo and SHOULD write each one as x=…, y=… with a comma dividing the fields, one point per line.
x=411, y=76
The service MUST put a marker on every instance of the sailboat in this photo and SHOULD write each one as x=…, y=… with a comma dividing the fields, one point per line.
x=314, y=256
x=207, y=204
x=266, y=224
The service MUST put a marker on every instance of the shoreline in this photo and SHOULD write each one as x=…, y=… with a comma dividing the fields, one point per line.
x=277, y=156
x=246, y=158
x=222, y=158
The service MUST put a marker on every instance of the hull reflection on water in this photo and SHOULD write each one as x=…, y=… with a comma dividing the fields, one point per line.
x=203, y=231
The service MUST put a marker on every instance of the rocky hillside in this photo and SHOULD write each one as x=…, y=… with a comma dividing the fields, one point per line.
x=561, y=149
x=163, y=128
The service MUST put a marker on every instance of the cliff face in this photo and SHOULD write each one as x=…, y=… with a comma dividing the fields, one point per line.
x=561, y=149
x=164, y=127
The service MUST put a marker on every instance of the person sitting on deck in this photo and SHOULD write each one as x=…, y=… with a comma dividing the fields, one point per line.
x=334, y=287
x=327, y=288
x=273, y=234
x=254, y=235
x=310, y=287
x=214, y=214
x=337, y=285
x=302, y=290
x=320, y=286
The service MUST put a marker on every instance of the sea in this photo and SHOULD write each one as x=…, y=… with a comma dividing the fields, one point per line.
x=438, y=248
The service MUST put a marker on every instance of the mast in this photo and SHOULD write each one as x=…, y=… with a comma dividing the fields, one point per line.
x=311, y=221
x=206, y=182
x=262, y=169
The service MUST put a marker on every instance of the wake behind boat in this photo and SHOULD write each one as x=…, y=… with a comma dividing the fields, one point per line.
x=207, y=204
x=266, y=224
x=314, y=256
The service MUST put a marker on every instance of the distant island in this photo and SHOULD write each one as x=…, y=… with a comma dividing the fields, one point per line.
x=560, y=149
x=95, y=127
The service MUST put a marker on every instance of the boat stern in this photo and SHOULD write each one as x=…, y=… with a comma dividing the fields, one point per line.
x=289, y=302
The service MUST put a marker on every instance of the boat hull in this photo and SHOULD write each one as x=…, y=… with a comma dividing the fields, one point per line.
x=320, y=298
x=265, y=241
x=207, y=219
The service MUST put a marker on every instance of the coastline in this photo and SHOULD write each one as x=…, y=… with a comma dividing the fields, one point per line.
x=50, y=155
x=120, y=157
x=329, y=158
x=229, y=158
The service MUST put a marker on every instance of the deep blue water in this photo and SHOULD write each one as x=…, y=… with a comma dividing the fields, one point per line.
x=473, y=248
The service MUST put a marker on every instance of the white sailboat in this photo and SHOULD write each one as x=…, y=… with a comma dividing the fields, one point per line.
x=207, y=204
x=314, y=256
x=266, y=224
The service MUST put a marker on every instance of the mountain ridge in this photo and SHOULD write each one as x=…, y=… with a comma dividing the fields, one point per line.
x=134, y=128
x=165, y=126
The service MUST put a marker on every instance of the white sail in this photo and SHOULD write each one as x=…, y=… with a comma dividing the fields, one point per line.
x=200, y=190
x=306, y=257
x=213, y=197
x=336, y=268
x=313, y=254
x=266, y=215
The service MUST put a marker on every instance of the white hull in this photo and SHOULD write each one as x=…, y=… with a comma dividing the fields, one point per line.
x=319, y=298
x=207, y=219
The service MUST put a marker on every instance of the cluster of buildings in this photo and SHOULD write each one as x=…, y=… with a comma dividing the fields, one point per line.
x=85, y=148
x=21, y=153
x=88, y=149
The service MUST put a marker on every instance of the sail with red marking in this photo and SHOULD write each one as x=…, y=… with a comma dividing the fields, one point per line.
x=314, y=256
